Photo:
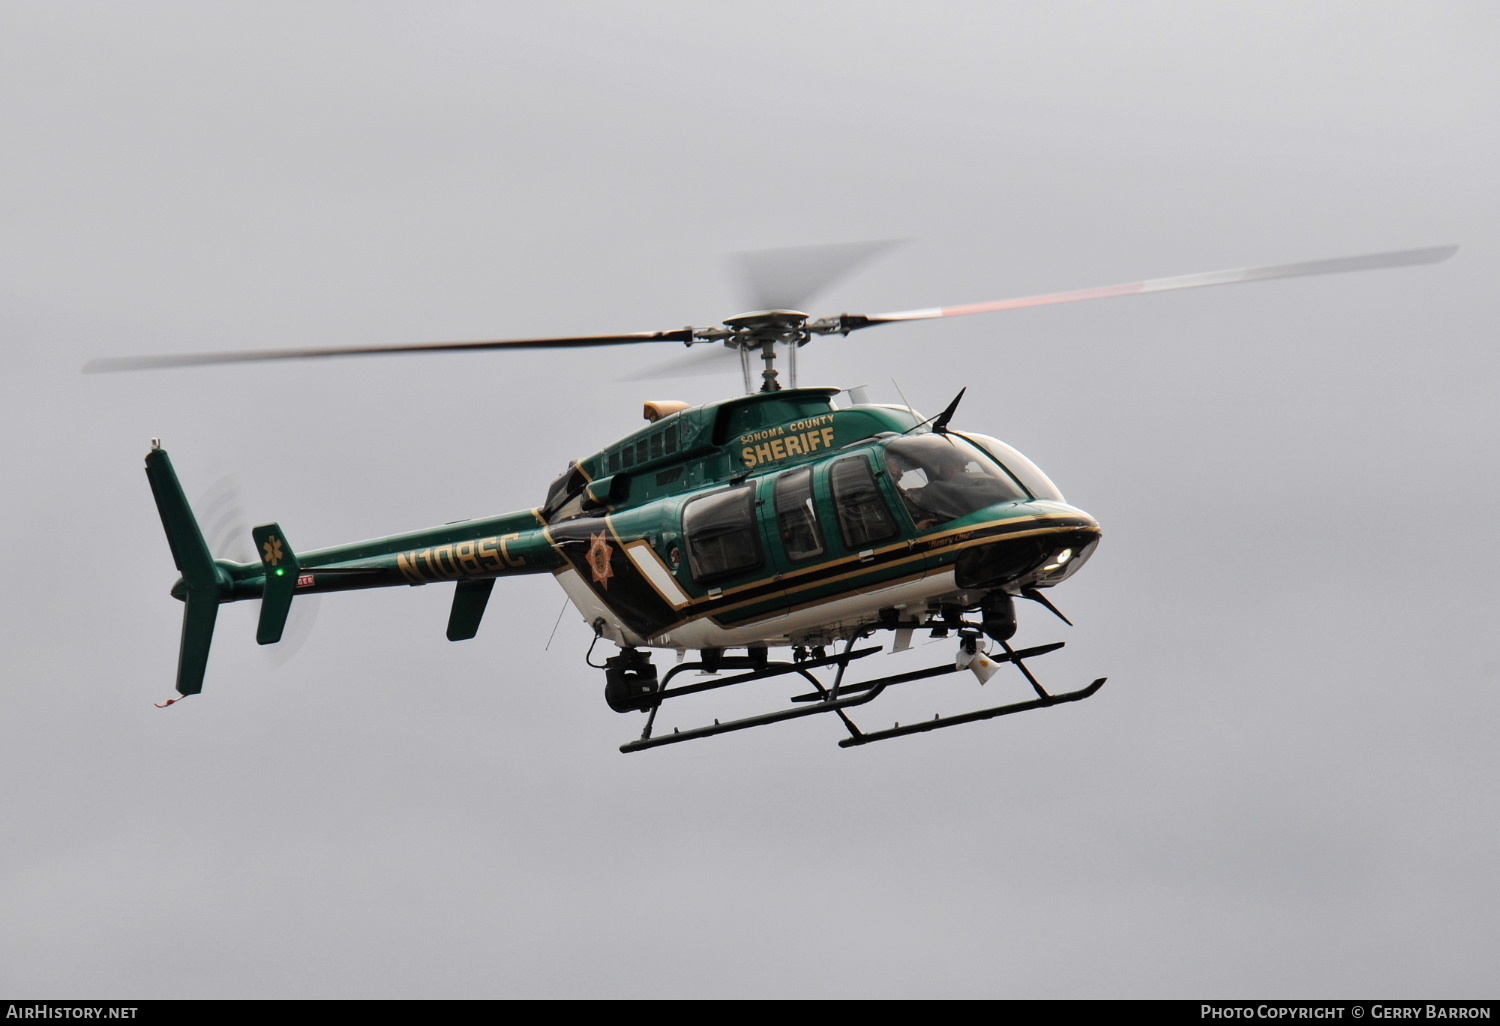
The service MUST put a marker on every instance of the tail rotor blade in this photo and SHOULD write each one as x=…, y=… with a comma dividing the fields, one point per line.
x=225, y=527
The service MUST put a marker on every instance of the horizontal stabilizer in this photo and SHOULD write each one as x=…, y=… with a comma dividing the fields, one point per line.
x=281, y=568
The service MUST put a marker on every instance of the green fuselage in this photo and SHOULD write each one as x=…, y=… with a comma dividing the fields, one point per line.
x=617, y=528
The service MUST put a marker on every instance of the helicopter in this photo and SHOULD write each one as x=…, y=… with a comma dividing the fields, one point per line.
x=805, y=519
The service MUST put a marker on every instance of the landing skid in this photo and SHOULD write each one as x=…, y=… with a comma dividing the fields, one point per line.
x=840, y=697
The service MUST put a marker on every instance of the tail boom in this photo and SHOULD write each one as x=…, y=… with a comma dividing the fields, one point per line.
x=470, y=553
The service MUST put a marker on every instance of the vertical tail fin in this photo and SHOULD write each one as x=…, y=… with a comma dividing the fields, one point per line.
x=202, y=580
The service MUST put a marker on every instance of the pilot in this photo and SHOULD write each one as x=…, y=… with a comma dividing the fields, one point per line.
x=947, y=490
x=912, y=481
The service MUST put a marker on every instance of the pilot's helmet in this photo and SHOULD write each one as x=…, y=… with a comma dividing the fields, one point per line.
x=946, y=459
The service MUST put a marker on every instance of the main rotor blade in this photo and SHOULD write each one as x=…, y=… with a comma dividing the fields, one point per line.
x=700, y=361
x=1368, y=262
x=786, y=279
x=119, y=363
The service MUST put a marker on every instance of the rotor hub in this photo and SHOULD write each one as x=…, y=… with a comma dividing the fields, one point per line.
x=764, y=330
x=773, y=322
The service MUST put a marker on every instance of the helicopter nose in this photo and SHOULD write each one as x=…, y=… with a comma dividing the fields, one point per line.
x=1036, y=544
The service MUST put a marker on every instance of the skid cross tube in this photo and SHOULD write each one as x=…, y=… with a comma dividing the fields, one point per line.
x=772, y=669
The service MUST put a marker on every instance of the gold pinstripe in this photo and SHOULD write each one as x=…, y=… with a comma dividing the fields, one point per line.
x=792, y=589
x=804, y=571
x=900, y=562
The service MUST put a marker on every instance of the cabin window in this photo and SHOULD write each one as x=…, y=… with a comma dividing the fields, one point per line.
x=723, y=539
x=641, y=451
x=671, y=435
x=656, y=446
x=864, y=518
x=941, y=478
x=614, y=463
x=796, y=518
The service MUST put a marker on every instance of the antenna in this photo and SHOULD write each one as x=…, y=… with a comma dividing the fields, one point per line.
x=903, y=397
x=941, y=424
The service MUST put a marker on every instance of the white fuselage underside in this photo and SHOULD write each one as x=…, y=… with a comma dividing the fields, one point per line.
x=821, y=623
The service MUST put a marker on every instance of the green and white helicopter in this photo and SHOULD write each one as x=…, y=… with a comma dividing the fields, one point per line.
x=802, y=519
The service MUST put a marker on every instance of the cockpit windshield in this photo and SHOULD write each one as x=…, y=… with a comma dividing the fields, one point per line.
x=942, y=478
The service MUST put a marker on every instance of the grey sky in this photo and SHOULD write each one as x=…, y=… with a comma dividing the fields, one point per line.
x=1287, y=787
